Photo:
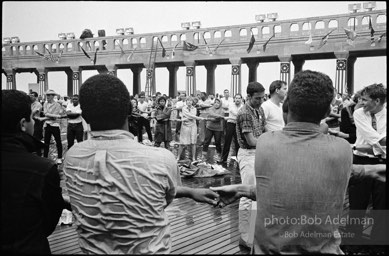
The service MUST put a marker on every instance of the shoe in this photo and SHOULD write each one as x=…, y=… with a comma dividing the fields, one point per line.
x=233, y=158
x=59, y=161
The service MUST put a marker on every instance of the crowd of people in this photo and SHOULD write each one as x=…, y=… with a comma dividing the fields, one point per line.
x=299, y=149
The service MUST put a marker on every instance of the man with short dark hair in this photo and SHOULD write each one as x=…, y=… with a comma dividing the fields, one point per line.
x=370, y=121
x=250, y=124
x=204, y=106
x=301, y=176
x=31, y=199
x=75, y=129
x=273, y=106
x=118, y=187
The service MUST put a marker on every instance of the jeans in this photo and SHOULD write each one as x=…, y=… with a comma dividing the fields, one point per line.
x=246, y=158
x=208, y=138
x=230, y=134
x=74, y=131
x=55, y=131
x=146, y=123
x=361, y=189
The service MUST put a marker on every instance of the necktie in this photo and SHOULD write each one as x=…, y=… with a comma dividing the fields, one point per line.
x=373, y=122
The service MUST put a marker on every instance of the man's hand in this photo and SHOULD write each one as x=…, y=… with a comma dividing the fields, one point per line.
x=231, y=193
x=205, y=195
x=376, y=171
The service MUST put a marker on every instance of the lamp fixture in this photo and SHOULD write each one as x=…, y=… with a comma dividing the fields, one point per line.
x=369, y=5
x=6, y=40
x=129, y=31
x=260, y=17
x=120, y=31
x=185, y=25
x=196, y=24
x=15, y=40
x=70, y=35
x=272, y=16
x=62, y=36
x=354, y=7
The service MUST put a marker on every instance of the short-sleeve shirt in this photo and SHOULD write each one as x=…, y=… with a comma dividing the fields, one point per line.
x=74, y=109
x=216, y=125
x=274, y=116
x=249, y=120
x=119, y=190
x=52, y=108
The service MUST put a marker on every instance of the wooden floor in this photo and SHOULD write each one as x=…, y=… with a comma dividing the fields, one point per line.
x=196, y=228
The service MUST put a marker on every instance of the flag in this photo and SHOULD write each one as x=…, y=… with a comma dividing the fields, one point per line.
x=218, y=45
x=325, y=39
x=381, y=36
x=251, y=44
x=42, y=55
x=95, y=59
x=121, y=49
x=206, y=45
x=59, y=56
x=163, y=48
x=174, y=49
x=264, y=46
x=372, y=31
x=87, y=55
x=309, y=41
x=351, y=35
x=132, y=53
x=51, y=55
x=189, y=46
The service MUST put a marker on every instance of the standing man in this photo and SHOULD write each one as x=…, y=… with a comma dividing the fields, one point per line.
x=118, y=187
x=75, y=129
x=53, y=111
x=227, y=101
x=144, y=119
x=31, y=199
x=370, y=122
x=301, y=174
x=250, y=124
x=231, y=129
x=273, y=106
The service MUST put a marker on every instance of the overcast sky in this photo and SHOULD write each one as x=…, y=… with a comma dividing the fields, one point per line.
x=40, y=21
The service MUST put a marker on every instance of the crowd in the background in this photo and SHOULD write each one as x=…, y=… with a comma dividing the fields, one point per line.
x=297, y=150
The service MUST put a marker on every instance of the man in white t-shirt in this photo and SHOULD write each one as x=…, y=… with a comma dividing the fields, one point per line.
x=75, y=128
x=273, y=106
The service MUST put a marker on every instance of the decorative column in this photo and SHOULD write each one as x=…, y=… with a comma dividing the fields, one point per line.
x=350, y=74
x=150, y=81
x=285, y=68
x=42, y=80
x=136, y=85
x=210, y=78
x=11, y=81
x=76, y=82
x=172, y=80
x=235, y=76
x=112, y=70
x=341, y=72
x=253, y=66
x=298, y=65
x=190, y=78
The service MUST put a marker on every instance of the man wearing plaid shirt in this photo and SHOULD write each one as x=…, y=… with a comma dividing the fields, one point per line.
x=250, y=124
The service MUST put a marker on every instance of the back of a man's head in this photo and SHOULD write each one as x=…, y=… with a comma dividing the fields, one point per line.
x=105, y=102
x=309, y=96
x=15, y=105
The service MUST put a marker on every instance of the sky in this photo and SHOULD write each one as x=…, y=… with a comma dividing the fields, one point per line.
x=41, y=21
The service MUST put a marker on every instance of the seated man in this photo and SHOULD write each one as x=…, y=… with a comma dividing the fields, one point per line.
x=31, y=199
x=301, y=175
x=119, y=188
